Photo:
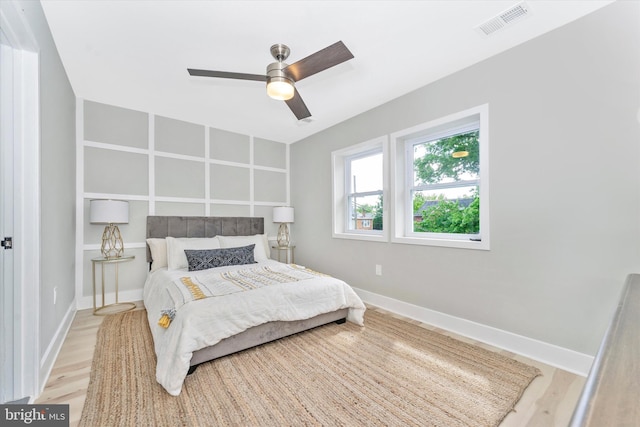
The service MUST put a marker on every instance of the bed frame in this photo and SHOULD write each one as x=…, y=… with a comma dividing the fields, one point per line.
x=198, y=226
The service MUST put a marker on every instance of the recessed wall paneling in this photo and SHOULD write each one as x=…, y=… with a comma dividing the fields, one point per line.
x=183, y=209
x=116, y=172
x=267, y=213
x=229, y=146
x=179, y=178
x=115, y=125
x=230, y=210
x=269, y=153
x=270, y=186
x=134, y=231
x=229, y=182
x=175, y=136
x=176, y=184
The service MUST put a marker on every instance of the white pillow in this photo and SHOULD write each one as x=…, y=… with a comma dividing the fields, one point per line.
x=158, y=248
x=260, y=252
x=177, y=259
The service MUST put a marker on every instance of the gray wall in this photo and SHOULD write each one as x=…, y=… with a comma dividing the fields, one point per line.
x=164, y=166
x=57, y=168
x=564, y=187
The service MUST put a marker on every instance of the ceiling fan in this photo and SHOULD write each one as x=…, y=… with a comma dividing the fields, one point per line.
x=281, y=77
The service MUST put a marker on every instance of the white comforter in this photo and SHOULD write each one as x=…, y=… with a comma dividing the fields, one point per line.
x=204, y=322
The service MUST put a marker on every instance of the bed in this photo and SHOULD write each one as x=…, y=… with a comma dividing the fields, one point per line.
x=198, y=314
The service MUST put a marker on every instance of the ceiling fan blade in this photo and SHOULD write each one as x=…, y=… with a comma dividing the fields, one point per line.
x=328, y=57
x=227, y=75
x=298, y=107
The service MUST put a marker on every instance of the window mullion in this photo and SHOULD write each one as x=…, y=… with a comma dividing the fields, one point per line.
x=366, y=193
x=445, y=185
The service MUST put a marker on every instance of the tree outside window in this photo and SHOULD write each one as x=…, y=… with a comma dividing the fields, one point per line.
x=446, y=184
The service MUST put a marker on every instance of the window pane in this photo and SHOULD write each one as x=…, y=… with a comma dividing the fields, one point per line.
x=366, y=174
x=365, y=213
x=452, y=210
x=450, y=159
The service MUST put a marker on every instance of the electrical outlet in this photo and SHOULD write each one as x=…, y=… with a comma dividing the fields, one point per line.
x=378, y=270
x=55, y=294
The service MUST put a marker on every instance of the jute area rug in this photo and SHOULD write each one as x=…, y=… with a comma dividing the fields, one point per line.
x=387, y=373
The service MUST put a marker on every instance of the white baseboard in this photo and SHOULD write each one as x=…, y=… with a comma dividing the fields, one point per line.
x=126, y=296
x=550, y=354
x=53, y=349
x=553, y=355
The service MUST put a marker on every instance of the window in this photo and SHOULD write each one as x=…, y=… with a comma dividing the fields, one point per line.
x=358, y=191
x=441, y=182
x=364, y=191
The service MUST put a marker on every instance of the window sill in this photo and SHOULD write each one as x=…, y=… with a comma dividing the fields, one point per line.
x=449, y=243
x=361, y=236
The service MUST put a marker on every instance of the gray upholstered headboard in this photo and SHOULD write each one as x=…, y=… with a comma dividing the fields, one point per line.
x=202, y=226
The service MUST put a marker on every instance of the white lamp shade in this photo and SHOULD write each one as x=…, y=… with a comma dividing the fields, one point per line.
x=109, y=212
x=283, y=214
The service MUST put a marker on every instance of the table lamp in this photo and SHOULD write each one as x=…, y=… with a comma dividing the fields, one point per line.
x=110, y=212
x=283, y=215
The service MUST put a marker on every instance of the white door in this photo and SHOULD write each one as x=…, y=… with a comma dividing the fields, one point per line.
x=20, y=374
x=7, y=339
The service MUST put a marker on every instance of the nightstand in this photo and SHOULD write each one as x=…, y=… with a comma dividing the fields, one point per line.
x=117, y=306
x=288, y=253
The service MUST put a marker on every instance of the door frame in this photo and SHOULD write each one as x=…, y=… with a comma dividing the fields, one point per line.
x=26, y=202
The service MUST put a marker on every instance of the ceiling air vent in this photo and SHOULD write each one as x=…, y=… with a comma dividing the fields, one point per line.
x=503, y=19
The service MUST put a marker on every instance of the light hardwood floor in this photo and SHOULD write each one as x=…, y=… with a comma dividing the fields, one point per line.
x=547, y=402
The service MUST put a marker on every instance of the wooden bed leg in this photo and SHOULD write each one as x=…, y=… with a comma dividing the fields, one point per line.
x=192, y=369
x=341, y=321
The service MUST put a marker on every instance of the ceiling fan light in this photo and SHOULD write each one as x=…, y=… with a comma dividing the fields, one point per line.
x=280, y=88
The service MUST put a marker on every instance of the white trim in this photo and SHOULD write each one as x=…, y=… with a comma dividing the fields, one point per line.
x=287, y=165
x=181, y=199
x=252, y=175
x=115, y=147
x=549, y=354
x=79, y=195
x=180, y=157
x=115, y=196
x=26, y=184
x=53, y=349
x=152, y=165
x=7, y=299
x=29, y=222
x=152, y=152
x=269, y=169
x=169, y=199
x=207, y=171
x=128, y=245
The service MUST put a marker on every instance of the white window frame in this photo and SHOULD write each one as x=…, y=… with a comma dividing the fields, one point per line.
x=340, y=162
x=402, y=180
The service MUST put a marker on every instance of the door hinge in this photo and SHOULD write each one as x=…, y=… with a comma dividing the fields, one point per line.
x=7, y=243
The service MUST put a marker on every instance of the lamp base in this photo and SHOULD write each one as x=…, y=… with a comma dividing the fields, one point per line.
x=283, y=235
x=112, y=246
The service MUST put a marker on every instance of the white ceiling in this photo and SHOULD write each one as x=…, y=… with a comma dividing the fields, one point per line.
x=134, y=54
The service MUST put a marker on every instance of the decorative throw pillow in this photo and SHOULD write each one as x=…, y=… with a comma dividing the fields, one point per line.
x=261, y=251
x=176, y=259
x=211, y=258
x=158, y=248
